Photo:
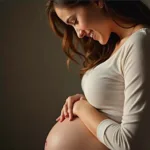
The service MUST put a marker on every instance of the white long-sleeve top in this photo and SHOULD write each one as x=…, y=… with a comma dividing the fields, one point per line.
x=120, y=88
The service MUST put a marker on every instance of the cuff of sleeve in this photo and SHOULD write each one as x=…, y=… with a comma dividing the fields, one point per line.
x=101, y=128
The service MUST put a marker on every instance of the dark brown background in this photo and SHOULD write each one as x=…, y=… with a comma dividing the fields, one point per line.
x=34, y=79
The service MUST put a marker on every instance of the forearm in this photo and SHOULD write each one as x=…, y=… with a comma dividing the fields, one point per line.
x=90, y=117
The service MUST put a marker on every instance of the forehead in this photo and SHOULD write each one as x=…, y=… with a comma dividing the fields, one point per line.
x=64, y=12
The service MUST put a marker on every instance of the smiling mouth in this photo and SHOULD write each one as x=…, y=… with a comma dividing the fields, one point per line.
x=92, y=35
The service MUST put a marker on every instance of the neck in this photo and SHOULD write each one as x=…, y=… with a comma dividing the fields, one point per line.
x=124, y=32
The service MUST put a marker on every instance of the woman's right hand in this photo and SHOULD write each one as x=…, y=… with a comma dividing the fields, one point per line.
x=68, y=107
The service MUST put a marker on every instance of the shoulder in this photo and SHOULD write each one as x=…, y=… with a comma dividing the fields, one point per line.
x=140, y=37
x=138, y=42
x=137, y=51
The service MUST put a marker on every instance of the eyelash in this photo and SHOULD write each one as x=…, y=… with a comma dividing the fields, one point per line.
x=74, y=22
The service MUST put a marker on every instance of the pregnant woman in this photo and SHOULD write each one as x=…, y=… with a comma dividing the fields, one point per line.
x=112, y=38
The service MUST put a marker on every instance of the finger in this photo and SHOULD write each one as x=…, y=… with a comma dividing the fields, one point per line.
x=70, y=106
x=70, y=114
x=79, y=95
x=57, y=118
x=74, y=98
x=82, y=98
x=62, y=116
x=65, y=110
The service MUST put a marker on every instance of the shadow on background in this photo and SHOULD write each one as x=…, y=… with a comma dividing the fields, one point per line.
x=34, y=77
x=35, y=80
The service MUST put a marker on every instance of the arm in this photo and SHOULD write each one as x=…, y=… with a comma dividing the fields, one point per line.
x=89, y=115
x=137, y=81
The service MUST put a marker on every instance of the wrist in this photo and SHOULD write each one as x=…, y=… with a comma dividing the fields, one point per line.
x=79, y=106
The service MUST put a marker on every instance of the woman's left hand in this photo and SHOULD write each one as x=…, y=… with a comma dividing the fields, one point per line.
x=75, y=108
x=78, y=105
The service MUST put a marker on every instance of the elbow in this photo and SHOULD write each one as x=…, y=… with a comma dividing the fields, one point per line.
x=122, y=142
x=120, y=146
x=114, y=135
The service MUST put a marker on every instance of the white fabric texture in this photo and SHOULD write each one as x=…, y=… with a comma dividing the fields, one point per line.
x=118, y=88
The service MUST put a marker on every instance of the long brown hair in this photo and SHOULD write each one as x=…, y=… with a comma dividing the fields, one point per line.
x=92, y=52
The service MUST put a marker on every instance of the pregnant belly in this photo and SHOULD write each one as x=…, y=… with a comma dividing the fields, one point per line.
x=72, y=135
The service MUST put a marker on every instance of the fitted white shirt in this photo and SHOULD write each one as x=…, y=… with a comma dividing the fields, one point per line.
x=120, y=88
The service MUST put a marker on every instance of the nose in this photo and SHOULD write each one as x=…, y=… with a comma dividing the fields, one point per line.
x=81, y=33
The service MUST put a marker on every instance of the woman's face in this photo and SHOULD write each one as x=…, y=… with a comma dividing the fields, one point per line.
x=87, y=21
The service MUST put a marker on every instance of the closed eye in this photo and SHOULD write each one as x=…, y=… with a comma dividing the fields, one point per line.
x=73, y=22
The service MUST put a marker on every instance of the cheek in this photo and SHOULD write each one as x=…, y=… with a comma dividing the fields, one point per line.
x=83, y=24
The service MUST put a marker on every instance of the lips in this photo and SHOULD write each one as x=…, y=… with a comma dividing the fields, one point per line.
x=91, y=34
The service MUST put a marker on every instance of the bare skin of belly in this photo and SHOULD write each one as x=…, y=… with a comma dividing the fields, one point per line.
x=72, y=135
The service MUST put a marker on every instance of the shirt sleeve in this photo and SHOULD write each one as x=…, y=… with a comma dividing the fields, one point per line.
x=137, y=80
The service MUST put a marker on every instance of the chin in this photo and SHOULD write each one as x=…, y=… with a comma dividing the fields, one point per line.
x=102, y=42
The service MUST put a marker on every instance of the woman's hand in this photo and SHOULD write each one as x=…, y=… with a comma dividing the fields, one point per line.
x=79, y=105
x=67, y=110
